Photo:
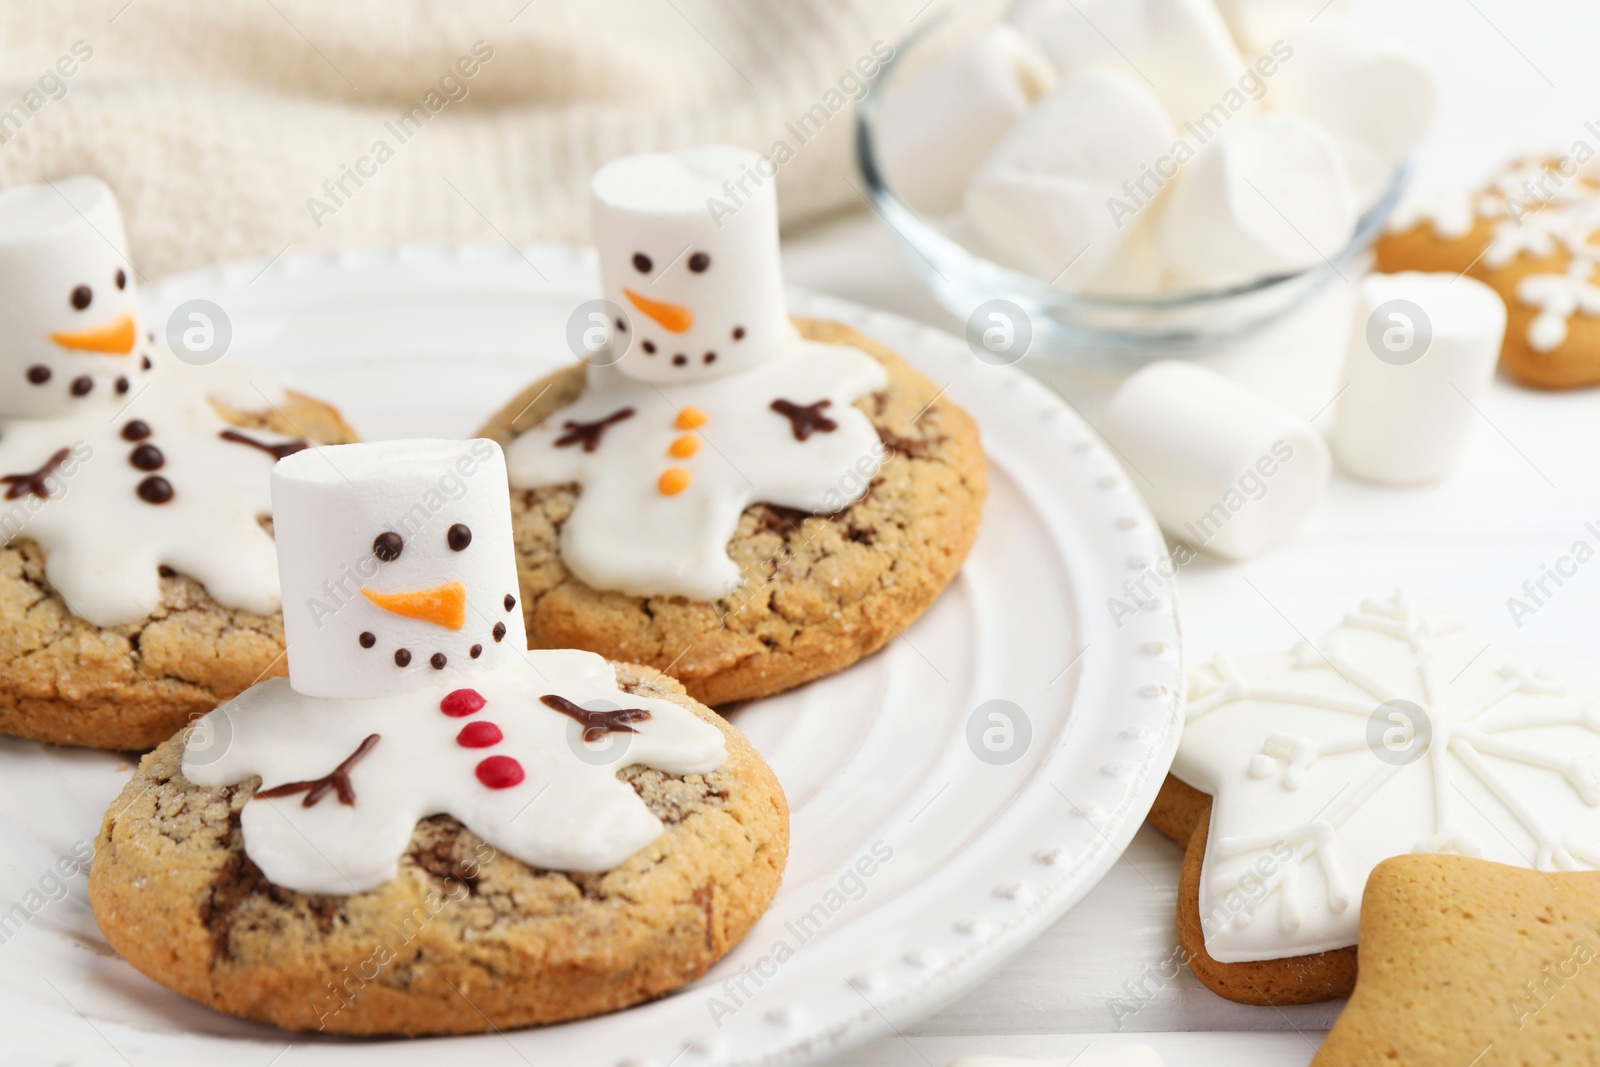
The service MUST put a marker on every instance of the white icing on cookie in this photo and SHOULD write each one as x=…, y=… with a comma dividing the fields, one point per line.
x=716, y=405
x=625, y=534
x=107, y=526
x=1316, y=777
x=540, y=793
x=1558, y=297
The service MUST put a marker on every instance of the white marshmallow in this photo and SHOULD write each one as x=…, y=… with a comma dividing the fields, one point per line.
x=1137, y=270
x=57, y=242
x=1417, y=340
x=1257, y=24
x=931, y=134
x=1374, y=95
x=1221, y=468
x=1041, y=200
x=1267, y=195
x=330, y=505
x=1179, y=49
x=655, y=216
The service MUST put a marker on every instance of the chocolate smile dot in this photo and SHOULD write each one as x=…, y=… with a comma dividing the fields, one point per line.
x=150, y=335
x=475, y=651
x=38, y=374
x=122, y=279
x=387, y=546
x=649, y=348
x=499, y=631
x=402, y=658
x=458, y=537
x=641, y=263
x=622, y=327
x=144, y=361
x=81, y=385
x=367, y=640
x=137, y=430
x=147, y=458
x=81, y=297
x=709, y=357
x=738, y=333
x=122, y=385
x=511, y=601
x=155, y=490
x=438, y=661
x=679, y=360
x=699, y=262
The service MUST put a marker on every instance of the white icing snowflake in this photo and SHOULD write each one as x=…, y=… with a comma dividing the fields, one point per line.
x=1558, y=297
x=1400, y=732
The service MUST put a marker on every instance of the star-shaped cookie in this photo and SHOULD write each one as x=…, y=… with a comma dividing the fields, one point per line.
x=1464, y=961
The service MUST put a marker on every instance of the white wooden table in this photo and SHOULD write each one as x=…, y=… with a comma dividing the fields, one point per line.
x=1517, y=77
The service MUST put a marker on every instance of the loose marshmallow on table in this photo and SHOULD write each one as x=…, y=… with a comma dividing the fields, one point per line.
x=1180, y=49
x=397, y=565
x=1221, y=468
x=1422, y=353
x=1375, y=96
x=931, y=134
x=1040, y=200
x=1268, y=195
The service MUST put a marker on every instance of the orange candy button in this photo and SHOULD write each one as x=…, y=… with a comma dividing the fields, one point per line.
x=673, y=481
x=684, y=446
x=691, y=418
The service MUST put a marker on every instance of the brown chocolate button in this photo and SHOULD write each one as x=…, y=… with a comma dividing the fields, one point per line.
x=81, y=385
x=137, y=430
x=155, y=490
x=402, y=658
x=147, y=458
x=38, y=374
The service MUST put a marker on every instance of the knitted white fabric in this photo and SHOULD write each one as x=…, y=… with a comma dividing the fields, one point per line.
x=232, y=128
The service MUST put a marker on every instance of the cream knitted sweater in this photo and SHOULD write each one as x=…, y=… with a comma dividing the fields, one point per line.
x=233, y=128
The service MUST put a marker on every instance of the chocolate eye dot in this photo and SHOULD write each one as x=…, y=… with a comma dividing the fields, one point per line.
x=649, y=348
x=699, y=262
x=641, y=263
x=458, y=537
x=38, y=374
x=81, y=297
x=122, y=279
x=367, y=639
x=679, y=360
x=387, y=546
x=622, y=326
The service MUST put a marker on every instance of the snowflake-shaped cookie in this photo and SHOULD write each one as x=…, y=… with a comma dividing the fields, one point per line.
x=1402, y=731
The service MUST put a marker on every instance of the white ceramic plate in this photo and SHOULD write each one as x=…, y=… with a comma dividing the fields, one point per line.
x=971, y=856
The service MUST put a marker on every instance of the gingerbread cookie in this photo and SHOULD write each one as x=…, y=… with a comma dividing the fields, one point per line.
x=427, y=828
x=138, y=585
x=1469, y=962
x=1534, y=236
x=1400, y=732
x=746, y=501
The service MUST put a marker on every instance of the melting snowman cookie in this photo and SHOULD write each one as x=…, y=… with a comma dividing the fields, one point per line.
x=718, y=402
x=411, y=692
x=423, y=802
x=116, y=464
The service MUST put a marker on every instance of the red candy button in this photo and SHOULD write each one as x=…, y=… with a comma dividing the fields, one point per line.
x=500, y=772
x=462, y=702
x=481, y=735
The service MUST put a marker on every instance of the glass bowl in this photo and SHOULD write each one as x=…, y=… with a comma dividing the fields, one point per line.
x=1099, y=330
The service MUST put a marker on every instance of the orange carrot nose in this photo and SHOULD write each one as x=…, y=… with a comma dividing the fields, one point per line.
x=445, y=605
x=115, y=338
x=672, y=317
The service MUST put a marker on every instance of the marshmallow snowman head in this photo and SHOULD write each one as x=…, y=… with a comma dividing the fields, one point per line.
x=68, y=318
x=397, y=566
x=688, y=245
